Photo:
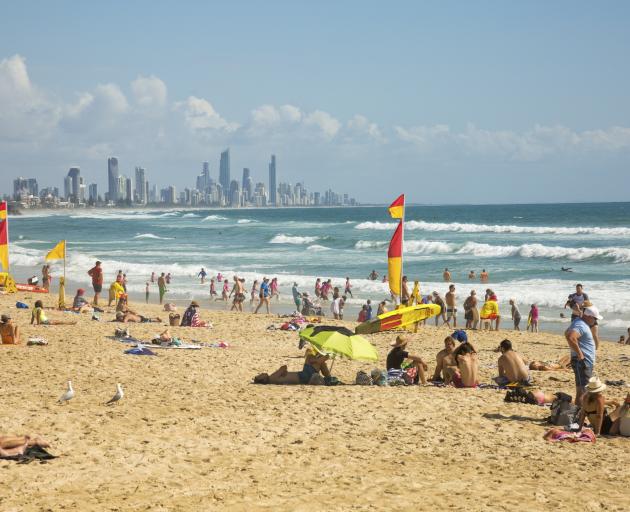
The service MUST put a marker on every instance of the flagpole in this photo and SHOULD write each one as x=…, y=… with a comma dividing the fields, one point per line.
x=8, y=244
x=402, y=251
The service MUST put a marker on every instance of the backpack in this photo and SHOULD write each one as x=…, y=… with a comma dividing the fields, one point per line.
x=363, y=379
x=563, y=412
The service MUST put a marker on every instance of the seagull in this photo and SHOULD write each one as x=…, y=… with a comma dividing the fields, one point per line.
x=68, y=395
x=118, y=396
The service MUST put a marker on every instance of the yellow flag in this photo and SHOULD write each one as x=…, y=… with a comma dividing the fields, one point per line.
x=59, y=252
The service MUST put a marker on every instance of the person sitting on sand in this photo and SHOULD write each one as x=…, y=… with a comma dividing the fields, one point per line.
x=80, y=303
x=465, y=372
x=314, y=364
x=122, y=304
x=9, y=332
x=130, y=316
x=444, y=358
x=564, y=363
x=38, y=317
x=191, y=316
x=512, y=368
x=594, y=408
x=398, y=354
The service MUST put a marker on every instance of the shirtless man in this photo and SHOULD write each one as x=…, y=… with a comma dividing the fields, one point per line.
x=9, y=332
x=314, y=364
x=564, y=363
x=484, y=276
x=447, y=276
x=130, y=316
x=444, y=358
x=470, y=304
x=512, y=368
x=239, y=294
x=440, y=302
x=465, y=372
x=451, y=309
x=404, y=292
x=471, y=274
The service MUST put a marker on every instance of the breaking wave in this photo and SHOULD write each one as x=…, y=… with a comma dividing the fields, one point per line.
x=287, y=239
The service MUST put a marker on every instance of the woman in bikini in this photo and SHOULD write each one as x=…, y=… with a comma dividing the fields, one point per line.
x=38, y=317
x=314, y=364
x=594, y=408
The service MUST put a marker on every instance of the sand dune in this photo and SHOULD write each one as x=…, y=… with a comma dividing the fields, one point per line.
x=192, y=433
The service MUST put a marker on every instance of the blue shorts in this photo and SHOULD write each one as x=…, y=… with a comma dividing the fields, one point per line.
x=582, y=371
x=307, y=372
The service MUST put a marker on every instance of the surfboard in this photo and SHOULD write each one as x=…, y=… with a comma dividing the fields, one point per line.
x=30, y=288
x=398, y=318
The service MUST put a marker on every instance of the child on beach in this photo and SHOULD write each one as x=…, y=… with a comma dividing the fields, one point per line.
x=213, y=290
x=274, y=289
x=532, y=320
x=226, y=289
x=254, y=292
x=146, y=292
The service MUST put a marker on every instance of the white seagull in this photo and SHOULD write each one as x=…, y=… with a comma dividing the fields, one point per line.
x=118, y=396
x=68, y=395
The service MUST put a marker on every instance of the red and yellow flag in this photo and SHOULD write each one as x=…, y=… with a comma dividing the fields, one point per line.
x=4, y=237
x=397, y=208
x=394, y=260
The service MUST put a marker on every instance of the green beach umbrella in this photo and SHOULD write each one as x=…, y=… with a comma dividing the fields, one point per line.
x=339, y=341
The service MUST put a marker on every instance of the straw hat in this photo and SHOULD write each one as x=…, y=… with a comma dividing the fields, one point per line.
x=401, y=341
x=194, y=304
x=595, y=385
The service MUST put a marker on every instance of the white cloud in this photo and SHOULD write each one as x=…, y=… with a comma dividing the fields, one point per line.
x=201, y=116
x=361, y=125
x=149, y=91
x=326, y=124
x=25, y=111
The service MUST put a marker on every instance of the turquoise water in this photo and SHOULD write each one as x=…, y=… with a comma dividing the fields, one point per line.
x=523, y=248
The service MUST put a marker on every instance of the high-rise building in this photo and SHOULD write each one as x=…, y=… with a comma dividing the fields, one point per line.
x=141, y=196
x=224, y=172
x=235, y=194
x=112, y=178
x=272, y=181
x=247, y=192
x=128, y=190
x=93, y=192
x=25, y=187
x=73, y=194
x=204, y=180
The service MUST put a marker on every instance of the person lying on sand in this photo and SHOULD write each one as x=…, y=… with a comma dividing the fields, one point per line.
x=314, y=364
x=9, y=332
x=512, y=368
x=130, y=316
x=398, y=354
x=549, y=366
x=38, y=317
x=80, y=303
x=444, y=358
x=11, y=446
x=465, y=373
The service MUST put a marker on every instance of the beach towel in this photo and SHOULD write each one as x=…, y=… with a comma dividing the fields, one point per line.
x=555, y=434
x=36, y=340
x=140, y=351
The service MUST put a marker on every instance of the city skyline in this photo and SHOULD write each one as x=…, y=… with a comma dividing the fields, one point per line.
x=137, y=190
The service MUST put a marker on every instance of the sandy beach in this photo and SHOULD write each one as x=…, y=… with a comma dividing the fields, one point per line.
x=193, y=432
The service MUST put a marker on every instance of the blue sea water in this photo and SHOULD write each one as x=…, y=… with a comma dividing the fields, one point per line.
x=523, y=248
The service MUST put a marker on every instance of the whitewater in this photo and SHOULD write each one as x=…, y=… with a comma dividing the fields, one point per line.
x=523, y=247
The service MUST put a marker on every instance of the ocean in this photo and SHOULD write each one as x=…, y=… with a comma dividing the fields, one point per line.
x=523, y=247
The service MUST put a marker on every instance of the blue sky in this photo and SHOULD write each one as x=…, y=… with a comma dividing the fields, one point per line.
x=450, y=101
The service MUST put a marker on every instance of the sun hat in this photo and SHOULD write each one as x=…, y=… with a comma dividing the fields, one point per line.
x=194, y=303
x=5, y=318
x=401, y=341
x=592, y=311
x=595, y=385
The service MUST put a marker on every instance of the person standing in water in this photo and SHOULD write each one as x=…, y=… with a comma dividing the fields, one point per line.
x=161, y=282
x=202, y=274
x=348, y=290
x=213, y=290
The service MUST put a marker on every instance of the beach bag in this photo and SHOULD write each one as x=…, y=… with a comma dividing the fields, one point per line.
x=173, y=319
x=363, y=379
x=21, y=305
x=563, y=412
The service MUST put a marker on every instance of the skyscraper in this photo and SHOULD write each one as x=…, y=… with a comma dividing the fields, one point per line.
x=272, y=181
x=93, y=192
x=224, y=172
x=74, y=185
x=246, y=184
x=112, y=178
x=204, y=180
x=141, y=196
